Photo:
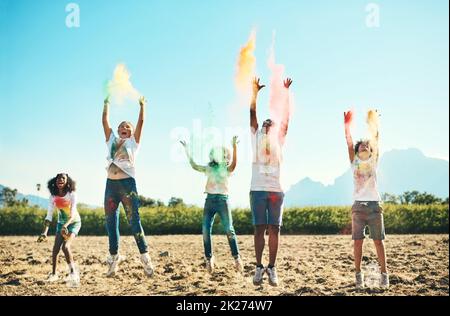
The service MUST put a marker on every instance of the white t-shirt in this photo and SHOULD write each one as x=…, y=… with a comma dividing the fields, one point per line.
x=365, y=179
x=66, y=205
x=217, y=182
x=123, y=156
x=267, y=157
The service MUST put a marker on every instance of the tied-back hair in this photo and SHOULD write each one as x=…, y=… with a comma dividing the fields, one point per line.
x=224, y=157
x=69, y=187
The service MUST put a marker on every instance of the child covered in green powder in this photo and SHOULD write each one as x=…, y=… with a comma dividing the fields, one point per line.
x=218, y=170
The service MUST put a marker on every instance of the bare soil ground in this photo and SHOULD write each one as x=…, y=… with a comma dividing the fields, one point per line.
x=307, y=265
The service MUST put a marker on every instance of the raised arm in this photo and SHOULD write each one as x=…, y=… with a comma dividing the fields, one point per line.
x=285, y=118
x=140, y=122
x=191, y=161
x=348, y=136
x=232, y=166
x=373, y=122
x=105, y=119
x=253, y=119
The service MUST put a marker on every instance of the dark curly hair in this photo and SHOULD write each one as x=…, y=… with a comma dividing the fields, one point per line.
x=53, y=188
x=359, y=142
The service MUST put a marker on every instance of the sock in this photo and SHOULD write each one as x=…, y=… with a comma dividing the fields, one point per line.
x=259, y=266
x=270, y=266
x=72, y=267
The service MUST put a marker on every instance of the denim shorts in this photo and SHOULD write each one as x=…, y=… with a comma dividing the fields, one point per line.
x=266, y=207
x=72, y=228
x=369, y=214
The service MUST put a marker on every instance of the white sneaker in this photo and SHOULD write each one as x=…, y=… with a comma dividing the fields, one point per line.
x=238, y=265
x=210, y=264
x=147, y=263
x=258, y=277
x=273, y=278
x=359, y=276
x=52, y=277
x=384, y=280
x=73, y=280
x=113, y=264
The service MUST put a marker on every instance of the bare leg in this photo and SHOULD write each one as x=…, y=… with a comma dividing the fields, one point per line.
x=357, y=251
x=379, y=246
x=259, y=242
x=56, y=248
x=274, y=234
x=67, y=251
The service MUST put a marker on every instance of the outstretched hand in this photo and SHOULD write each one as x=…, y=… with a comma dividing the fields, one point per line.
x=142, y=101
x=235, y=141
x=348, y=117
x=287, y=83
x=372, y=116
x=185, y=145
x=106, y=101
x=257, y=86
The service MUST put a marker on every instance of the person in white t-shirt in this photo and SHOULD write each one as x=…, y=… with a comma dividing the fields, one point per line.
x=366, y=209
x=121, y=187
x=266, y=193
x=218, y=171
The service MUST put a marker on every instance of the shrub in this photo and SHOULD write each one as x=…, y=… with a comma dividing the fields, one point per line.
x=182, y=219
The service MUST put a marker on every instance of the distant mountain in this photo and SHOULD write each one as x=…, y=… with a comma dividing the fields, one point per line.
x=398, y=171
x=39, y=201
x=32, y=199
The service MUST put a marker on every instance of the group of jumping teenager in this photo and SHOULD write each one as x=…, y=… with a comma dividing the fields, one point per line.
x=266, y=196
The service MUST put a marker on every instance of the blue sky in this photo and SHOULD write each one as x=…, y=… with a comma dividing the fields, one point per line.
x=182, y=56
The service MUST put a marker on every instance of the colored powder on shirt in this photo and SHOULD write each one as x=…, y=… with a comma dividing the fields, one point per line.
x=62, y=203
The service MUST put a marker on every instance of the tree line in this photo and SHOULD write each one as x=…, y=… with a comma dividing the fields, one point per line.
x=8, y=198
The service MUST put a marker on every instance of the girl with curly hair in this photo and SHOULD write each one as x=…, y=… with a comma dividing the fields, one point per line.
x=62, y=198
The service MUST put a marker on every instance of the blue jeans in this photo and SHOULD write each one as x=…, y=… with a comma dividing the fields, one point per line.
x=218, y=203
x=123, y=191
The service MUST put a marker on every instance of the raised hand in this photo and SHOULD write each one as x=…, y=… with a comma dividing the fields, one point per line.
x=183, y=142
x=142, y=101
x=372, y=116
x=348, y=117
x=287, y=83
x=235, y=141
x=106, y=101
x=257, y=86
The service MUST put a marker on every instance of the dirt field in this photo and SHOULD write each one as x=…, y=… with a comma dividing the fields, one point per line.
x=307, y=265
